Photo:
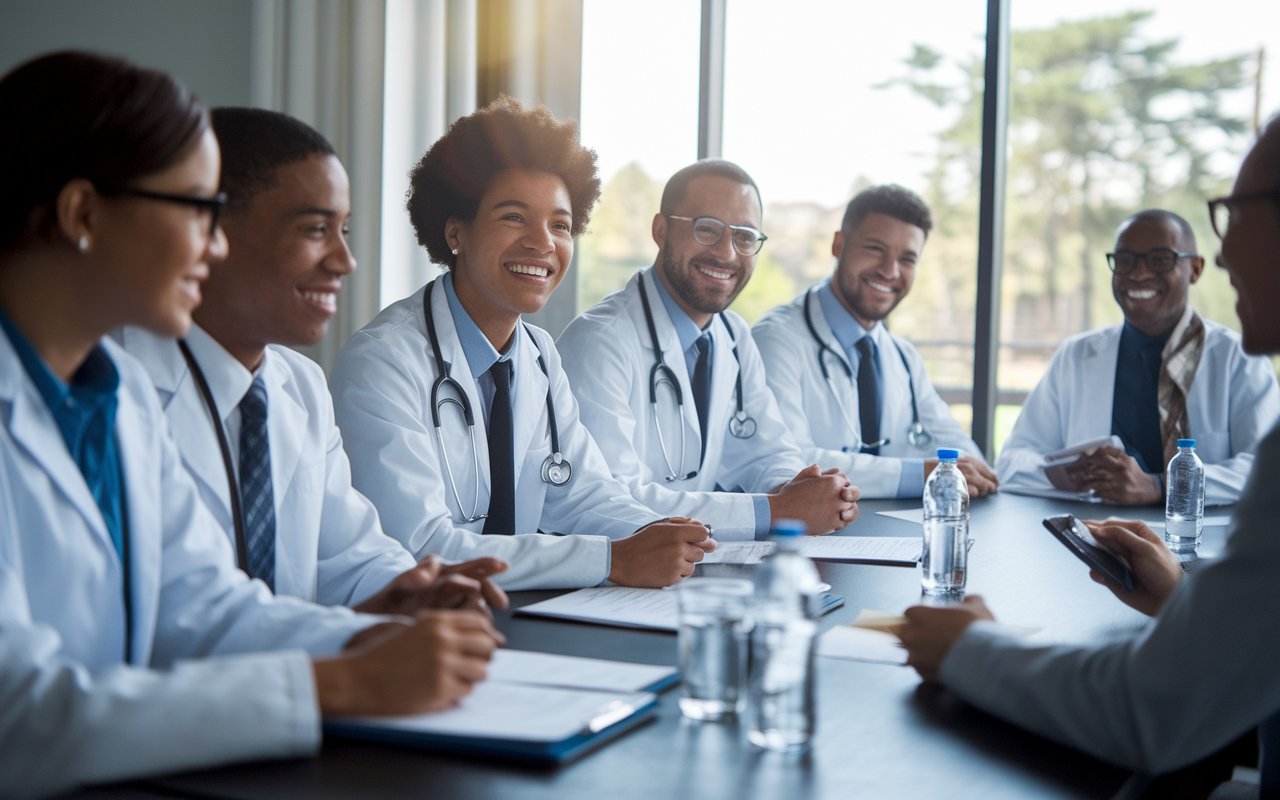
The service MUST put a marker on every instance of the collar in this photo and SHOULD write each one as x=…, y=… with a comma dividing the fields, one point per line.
x=94, y=383
x=847, y=330
x=481, y=354
x=228, y=379
x=686, y=329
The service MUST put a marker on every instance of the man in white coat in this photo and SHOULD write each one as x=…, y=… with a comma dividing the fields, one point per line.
x=1122, y=699
x=301, y=528
x=671, y=385
x=457, y=415
x=854, y=395
x=1163, y=374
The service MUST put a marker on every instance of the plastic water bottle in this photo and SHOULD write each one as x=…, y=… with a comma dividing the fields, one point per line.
x=946, y=528
x=1184, y=499
x=781, y=709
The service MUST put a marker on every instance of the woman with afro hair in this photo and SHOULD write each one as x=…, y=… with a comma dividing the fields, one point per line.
x=457, y=415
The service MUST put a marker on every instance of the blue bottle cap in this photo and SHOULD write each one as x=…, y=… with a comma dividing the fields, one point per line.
x=1186, y=443
x=788, y=527
x=948, y=455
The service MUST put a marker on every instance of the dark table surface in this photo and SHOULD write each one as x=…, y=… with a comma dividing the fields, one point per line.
x=880, y=732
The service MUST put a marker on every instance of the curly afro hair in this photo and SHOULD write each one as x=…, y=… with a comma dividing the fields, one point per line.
x=453, y=176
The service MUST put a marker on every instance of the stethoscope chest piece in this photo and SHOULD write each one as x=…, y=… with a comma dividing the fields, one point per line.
x=918, y=437
x=556, y=470
x=742, y=426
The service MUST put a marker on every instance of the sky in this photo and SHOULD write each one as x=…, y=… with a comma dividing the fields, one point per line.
x=802, y=111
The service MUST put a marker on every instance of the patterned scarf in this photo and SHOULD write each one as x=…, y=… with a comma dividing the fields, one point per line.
x=1178, y=364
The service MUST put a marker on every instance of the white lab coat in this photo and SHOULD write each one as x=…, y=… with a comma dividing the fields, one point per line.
x=1234, y=401
x=608, y=355
x=813, y=410
x=382, y=396
x=330, y=547
x=72, y=711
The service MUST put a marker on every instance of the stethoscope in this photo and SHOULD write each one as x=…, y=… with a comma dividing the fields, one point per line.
x=741, y=424
x=917, y=436
x=556, y=469
x=233, y=486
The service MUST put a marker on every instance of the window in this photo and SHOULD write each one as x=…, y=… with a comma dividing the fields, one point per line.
x=817, y=112
x=640, y=114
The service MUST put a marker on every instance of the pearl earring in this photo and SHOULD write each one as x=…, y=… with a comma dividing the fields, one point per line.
x=455, y=251
x=82, y=244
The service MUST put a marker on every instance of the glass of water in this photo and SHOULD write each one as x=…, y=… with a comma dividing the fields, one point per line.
x=714, y=625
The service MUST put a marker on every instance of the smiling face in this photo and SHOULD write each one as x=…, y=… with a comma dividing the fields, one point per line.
x=515, y=252
x=288, y=253
x=704, y=279
x=876, y=265
x=1249, y=251
x=1153, y=302
x=151, y=256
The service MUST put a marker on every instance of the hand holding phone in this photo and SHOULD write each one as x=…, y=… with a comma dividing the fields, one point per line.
x=1079, y=539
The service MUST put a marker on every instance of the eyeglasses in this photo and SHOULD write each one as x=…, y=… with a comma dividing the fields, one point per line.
x=1220, y=209
x=1159, y=260
x=708, y=230
x=213, y=205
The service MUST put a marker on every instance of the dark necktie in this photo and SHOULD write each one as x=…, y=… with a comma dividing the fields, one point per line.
x=869, y=393
x=502, y=474
x=702, y=388
x=256, y=496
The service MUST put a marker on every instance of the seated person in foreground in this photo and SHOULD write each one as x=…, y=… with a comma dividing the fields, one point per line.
x=854, y=395
x=1220, y=624
x=710, y=442
x=1163, y=374
x=457, y=415
x=284, y=494
x=130, y=645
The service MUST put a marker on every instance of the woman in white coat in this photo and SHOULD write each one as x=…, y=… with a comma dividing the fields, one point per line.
x=129, y=643
x=457, y=416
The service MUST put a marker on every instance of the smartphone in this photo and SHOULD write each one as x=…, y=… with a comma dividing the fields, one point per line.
x=1079, y=540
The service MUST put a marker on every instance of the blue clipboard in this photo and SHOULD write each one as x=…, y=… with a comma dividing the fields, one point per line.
x=605, y=727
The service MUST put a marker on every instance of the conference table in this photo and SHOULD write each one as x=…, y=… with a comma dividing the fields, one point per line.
x=880, y=732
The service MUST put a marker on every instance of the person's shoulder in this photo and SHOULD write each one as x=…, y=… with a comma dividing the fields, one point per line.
x=297, y=368
x=611, y=312
x=136, y=382
x=159, y=355
x=395, y=321
x=1086, y=343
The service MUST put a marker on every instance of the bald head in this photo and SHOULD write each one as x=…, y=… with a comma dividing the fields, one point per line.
x=1186, y=238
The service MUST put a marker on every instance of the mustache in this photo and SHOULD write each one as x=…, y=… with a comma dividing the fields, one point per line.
x=714, y=263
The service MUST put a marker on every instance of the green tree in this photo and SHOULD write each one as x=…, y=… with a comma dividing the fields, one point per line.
x=1102, y=122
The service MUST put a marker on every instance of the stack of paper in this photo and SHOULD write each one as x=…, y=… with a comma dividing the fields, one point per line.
x=849, y=549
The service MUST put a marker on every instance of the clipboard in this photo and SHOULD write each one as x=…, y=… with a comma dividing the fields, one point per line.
x=612, y=714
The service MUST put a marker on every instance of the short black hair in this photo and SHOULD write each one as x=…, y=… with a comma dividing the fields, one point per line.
x=77, y=115
x=454, y=174
x=891, y=200
x=1186, y=236
x=255, y=144
x=678, y=185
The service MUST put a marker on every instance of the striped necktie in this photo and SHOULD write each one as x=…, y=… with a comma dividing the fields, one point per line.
x=256, y=494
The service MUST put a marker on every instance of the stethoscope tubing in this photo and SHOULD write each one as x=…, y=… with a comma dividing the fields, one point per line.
x=556, y=470
x=741, y=425
x=918, y=437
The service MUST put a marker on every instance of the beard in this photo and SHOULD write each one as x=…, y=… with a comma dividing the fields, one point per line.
x=853, y=299
x=683, y=283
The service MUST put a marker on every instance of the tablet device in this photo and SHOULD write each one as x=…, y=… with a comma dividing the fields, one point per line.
x=1079, y=540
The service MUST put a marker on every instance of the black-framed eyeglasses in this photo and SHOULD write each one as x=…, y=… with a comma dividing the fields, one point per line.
x=1220, y=209
x=1159, y=260
x=213, y=205
x=708, y=230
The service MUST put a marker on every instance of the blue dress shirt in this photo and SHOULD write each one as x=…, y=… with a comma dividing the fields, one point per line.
x=1135, y=407
x=85, y=412
x=689, y=334
x=480, y=352
x=848, y=331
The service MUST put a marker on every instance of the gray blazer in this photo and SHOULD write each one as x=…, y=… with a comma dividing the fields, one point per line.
x=1201, y=673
